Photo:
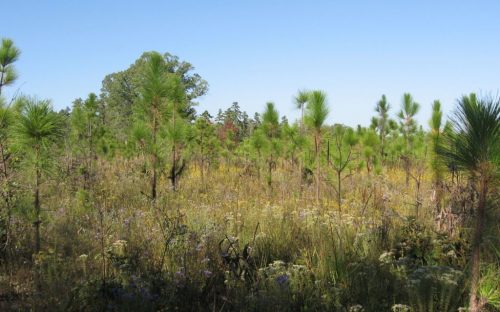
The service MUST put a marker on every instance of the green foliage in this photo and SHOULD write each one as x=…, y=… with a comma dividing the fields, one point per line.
x=408, y=125
x=88, y=131
x=435, y=288
x=382, y=123
x=6, y=122
x=489, y=286
x=317, y=110
x=122, y=91
x=206, y=143
x=436, y=134
x=301, y=98
x=294, y=141
x=117, y=248
x=270, y=121
x=475, y=140
x=344, y=139
x=370, y=142
x=38, y=126
x=259, y=141
x=437, y=115
x=8, y=55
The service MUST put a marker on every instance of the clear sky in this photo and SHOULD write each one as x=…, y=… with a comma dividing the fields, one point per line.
x=258, y=51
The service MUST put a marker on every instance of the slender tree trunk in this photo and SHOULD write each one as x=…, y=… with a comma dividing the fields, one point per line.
x=154, y=159
x=270, y=172
x=174, y=153
x=37, y=203
x=7, y=195
x=203, y=171
x=328, y=153
x=418, y=201
x=339, y=170
x=302, y=119
x=438, y=189
x=1, y=82
x=174, y=168
x=318, y=164
x=154, y=179
x=37, y=212
x=476, y=247
x=339, y=191
x=91, y=153
x=258, y=165
x=36, y=224
x=438, y=183
x=202, y=165
x=382, y=142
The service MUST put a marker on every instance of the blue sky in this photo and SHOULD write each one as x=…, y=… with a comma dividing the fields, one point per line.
x=258, y=51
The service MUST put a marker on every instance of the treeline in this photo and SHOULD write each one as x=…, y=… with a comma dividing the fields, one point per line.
x=149, y=109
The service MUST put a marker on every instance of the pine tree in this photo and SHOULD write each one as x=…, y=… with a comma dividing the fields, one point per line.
x=39, y=127
x=317, y=111
x=153, y=111
x=408, y=126
x=271, y=127
x=474, y=147
x=8, y=55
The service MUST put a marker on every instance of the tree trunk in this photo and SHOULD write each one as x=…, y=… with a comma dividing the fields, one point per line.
x=339, y=194
x=174, y=168
x=37, y=213
x=418, y=201
x=37, y=204
x=328, y=153
x=154, y=179
x=318, y=165
x=154, y=159
x=174, y=152
x=258, y=165
x=202, y=163
x=1, y=82
x=7, y=197
x=302, y=120
x=382, y=141
x=476, y=247
x=270, y=173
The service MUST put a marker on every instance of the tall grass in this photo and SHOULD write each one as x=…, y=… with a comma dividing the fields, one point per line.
x=232, y=245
